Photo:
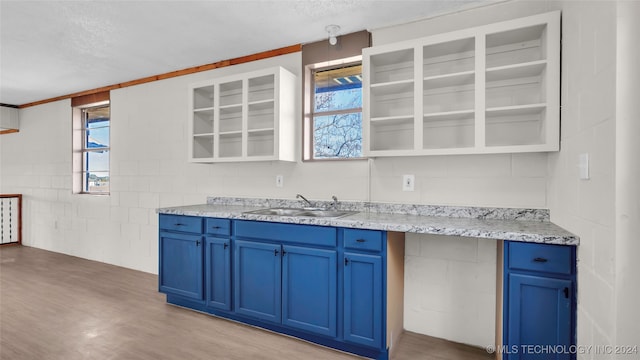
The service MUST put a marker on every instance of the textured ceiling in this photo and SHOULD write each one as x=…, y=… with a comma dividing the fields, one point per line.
x=55, y=48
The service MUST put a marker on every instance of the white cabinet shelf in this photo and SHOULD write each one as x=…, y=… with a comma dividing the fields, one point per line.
x=245, y=117
x=489, y=89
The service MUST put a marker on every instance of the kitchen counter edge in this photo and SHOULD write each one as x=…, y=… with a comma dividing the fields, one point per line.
x=515, y=230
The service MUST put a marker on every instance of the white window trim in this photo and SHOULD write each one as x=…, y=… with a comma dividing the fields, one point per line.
x=78, y=149
x=307, y=132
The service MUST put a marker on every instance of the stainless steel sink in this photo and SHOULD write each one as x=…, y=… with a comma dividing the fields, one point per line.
x=276, y=211
x=326, y=213
x=308, y=212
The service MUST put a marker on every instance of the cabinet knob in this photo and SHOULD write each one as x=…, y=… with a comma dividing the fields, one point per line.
x=566, y=292
x=225, y=246
x=346, y=261
x=361, y=240
x=540, y=260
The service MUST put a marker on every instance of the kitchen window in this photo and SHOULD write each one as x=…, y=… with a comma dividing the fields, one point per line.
x=336, y=112
x=332, y=93
x=92, y=148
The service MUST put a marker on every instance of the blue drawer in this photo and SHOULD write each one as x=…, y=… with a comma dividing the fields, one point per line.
x=369, y=240
x=301, y=234
x=541, y=257
x=217, y=226
x=181, y=223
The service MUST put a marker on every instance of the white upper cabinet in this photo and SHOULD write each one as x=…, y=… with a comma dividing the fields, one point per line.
x=245, y=117
x=489, y=89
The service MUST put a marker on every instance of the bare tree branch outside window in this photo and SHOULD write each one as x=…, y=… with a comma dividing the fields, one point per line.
x=337, y=118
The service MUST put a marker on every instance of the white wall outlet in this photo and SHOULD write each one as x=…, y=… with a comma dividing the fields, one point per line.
x=279, y=181
x=583, y=166
x=408, y=182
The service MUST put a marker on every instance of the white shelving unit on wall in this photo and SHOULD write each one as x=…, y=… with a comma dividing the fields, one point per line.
x=244, y=117
x=488, y=89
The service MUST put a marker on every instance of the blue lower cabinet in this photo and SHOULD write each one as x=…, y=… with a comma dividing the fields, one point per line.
x=181, y=259
x=218, y=273
x=363, y=299
x=539, y=313
x=257, y=280
x=309, y=289
x=318, y=283
x=539, y=301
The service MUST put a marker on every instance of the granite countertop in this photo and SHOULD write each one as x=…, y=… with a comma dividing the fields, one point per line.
x=527, y=225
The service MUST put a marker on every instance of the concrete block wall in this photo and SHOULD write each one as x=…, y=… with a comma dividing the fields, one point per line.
x=450, y=287
x=509, y=180
x=587, y=207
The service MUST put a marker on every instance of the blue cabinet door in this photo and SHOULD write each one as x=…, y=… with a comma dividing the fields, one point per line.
x=218, y=273
x=363, y=299
x=539, y=313
x=309, y=289
x=181, y=261
x=257, y=280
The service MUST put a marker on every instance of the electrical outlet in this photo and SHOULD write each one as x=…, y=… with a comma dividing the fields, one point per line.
x=279, y=181
x=408, y=182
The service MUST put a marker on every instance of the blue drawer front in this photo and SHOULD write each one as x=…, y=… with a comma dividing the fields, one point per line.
x=190, y=224
x=301, y=234
x=369, y=240
x=217, y=226
x=541, y=257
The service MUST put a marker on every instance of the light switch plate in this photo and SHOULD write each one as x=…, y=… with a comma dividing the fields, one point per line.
x=583, y=166
x=279, y=181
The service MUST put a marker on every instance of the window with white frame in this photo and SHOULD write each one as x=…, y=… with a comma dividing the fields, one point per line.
x=332, y=98
x=92, y=146
x=336, y=112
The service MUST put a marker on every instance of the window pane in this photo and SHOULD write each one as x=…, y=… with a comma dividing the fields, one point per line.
x=338, y=89
x=96, y=181
x=97, y=127
x=97, y=135
x=337, y=136
x=96, y=161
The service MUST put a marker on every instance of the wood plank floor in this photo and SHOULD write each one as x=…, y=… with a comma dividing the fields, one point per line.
x=54, y=306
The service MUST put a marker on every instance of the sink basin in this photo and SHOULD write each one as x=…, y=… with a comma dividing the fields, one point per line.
x=326, y=213
x=312, y=212
x=276, y=211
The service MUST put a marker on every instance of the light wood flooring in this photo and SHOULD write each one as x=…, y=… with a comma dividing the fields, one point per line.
x=59, y=307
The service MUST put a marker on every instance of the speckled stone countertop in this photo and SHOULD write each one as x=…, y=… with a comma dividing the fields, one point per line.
x=528, y=225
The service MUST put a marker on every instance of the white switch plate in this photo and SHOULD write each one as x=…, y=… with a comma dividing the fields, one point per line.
x=279, y=181
x=583, y=166
x=408, y=182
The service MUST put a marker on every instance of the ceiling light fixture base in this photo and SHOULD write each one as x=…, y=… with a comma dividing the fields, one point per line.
x=333, y=33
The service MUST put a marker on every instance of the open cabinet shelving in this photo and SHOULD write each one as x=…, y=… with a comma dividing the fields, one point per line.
x=244, y=117
x=488, y=89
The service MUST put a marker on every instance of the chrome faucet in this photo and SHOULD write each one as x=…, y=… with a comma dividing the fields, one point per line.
x=298, y=196
x=334, y=204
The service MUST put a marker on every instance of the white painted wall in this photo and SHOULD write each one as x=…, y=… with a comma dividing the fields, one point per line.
x=149, y=169
x=587, y=207
x=627, y=174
